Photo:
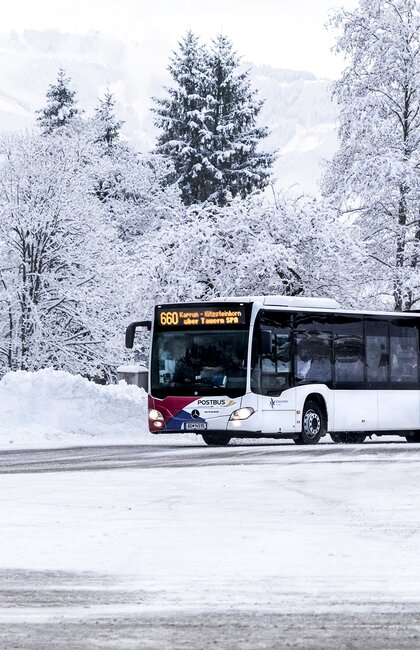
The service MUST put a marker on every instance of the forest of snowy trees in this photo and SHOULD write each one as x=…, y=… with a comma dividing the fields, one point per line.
x=93, y=232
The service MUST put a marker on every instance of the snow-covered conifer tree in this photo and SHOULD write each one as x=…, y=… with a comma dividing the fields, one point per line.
x=237, y=167
x=208, y=125
x=61, y=105
x=107, y=124
x=375, y=175
x=182, y=118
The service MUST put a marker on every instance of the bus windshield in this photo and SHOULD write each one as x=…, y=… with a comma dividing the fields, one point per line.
x=199, y=363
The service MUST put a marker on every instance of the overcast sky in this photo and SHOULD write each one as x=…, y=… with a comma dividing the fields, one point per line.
x=282, y=33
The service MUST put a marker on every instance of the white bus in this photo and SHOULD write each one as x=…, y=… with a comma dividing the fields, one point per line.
x=282, y=367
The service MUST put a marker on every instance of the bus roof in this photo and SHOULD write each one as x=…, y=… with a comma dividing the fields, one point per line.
x=305, y=303
x=285, y=301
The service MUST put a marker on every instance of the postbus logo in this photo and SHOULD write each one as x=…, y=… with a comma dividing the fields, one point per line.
x=215, y=402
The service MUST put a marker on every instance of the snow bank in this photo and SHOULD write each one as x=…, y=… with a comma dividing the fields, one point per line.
x=54, y=408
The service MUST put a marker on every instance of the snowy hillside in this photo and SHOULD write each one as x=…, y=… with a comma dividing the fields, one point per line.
x=298, y=108
x=301, y=116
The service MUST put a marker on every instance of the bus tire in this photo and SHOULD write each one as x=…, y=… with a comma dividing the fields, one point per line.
x=313, y=424
x=216, y=439
x=348, y=438
x=414, y=437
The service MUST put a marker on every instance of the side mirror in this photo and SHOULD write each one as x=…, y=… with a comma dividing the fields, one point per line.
x=266, y=341
x=131, y=330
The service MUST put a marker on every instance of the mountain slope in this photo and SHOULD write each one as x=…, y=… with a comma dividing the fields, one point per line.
x=298, y=109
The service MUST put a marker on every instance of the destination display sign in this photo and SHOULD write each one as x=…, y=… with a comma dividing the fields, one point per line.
x=201, y=316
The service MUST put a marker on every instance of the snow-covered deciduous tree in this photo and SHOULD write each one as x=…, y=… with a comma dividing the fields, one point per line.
x=133, y=187
x=208, y=125
x=61, y=105
x=375, y=176
x=61, y=266
x=289, y=246
x=134, y=191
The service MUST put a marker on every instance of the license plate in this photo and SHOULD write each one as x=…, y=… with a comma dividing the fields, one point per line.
x=196, y=426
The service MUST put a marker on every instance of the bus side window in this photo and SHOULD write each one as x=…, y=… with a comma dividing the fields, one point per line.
x=376, y=353
x=404, y=351
x=275, y=366
x=313, y=356
x=349, y=352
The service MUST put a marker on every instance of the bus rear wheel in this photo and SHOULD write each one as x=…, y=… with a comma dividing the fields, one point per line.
x=348, y=438
x=216, y=439
x=313, y=425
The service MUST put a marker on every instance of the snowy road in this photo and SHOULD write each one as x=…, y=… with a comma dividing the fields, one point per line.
x=184, y=455
x=187, y=546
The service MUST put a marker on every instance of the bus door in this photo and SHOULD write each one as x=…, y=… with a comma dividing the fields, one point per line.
x=355, y=403
x=271, y=375
x=398, y=375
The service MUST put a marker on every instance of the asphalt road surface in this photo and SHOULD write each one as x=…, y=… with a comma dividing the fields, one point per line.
x=32, y=603
x=227, y=631
x=173, y=455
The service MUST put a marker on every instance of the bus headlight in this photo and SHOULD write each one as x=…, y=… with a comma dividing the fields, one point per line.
x=242, y=414
x=154, y=415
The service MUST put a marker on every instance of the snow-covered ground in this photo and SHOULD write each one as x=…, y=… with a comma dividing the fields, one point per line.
x=303, y=532
x=309, y=536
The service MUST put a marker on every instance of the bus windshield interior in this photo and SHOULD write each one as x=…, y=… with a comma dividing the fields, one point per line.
x=199, y=363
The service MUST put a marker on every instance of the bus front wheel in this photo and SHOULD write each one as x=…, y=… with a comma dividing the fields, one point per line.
x=348, y=438
x=313, y=425
x=216, y=439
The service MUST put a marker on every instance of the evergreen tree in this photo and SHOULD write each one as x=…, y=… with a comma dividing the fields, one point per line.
x=108, y=126
x=61, y=105
x=182, y=118
x=237, y=167
x=208, y=125
x=375, y=175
